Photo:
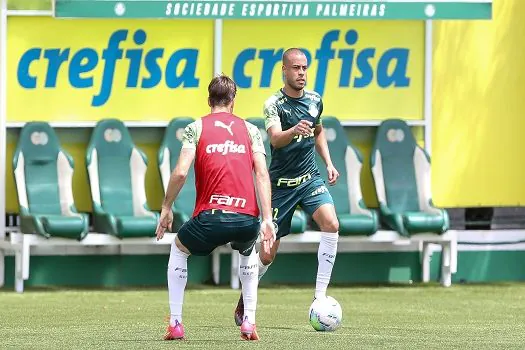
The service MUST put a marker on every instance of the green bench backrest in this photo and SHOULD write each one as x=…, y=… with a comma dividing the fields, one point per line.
x=113, y=146
x=35, y=163
x=393, y=165
x=169, y=152
x=337, y=144
x=259, y=122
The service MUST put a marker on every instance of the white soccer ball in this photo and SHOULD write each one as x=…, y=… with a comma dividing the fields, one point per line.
x=325, y=314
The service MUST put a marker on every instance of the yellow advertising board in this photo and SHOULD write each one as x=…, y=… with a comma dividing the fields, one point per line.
x=478, y=107
x=363, y=69
x=86, y=70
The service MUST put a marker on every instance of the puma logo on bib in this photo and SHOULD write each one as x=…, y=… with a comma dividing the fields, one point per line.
x=220, y=124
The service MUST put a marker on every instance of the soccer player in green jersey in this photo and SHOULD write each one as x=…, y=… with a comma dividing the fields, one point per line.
x=293, y=122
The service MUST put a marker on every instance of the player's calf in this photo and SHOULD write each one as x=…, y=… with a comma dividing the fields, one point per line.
x=238, y=313
x=264, y=261
x=326, y=260
x=248, y=267
x=326, y=218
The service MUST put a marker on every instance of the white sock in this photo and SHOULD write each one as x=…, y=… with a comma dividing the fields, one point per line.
x=262, y=268
x=177, y=277
x=248, y=276
x=326, y=259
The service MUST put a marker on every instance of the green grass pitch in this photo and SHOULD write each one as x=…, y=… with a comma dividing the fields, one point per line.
x=391, y=317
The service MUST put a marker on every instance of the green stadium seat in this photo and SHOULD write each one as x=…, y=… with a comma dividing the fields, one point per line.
x=117, y=171
x=299, y=218
x=354, y=217
x=43, y=174
x=259, y=123
x=167, y=157
x=401, y=172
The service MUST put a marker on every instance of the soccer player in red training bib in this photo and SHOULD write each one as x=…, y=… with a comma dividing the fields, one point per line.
x=227, y=151
x=293, y=121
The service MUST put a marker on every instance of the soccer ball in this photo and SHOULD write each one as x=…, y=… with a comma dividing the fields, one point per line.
x=325, y=314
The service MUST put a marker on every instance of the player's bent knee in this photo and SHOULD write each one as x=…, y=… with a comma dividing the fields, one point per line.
x=330, y=225
x=267, y=259
x=181, y=247
x=326, y=218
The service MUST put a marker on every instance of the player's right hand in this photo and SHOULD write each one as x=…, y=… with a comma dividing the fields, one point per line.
x=268, y=235
x=304, y=128
x=165, y=222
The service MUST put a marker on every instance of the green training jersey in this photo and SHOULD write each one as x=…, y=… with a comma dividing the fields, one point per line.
x=294, y=163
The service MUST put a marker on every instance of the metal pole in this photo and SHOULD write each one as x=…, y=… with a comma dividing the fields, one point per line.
x=217, y=69
x=217, y=47
x=3, y=126
x=428, y=86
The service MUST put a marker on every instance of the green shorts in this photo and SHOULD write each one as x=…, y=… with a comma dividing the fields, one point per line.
x=214, y=228
x=309, y=196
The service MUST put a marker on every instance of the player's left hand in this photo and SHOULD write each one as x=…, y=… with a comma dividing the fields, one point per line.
x=333, y=175
x=268, y=233
x=165, y=222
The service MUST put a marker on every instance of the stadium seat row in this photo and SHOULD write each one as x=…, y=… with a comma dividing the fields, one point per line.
x=116, y=167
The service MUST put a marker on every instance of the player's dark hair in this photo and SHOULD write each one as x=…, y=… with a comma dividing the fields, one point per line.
x=221, y=91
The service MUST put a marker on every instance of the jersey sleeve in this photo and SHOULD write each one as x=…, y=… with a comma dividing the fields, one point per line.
x=191, y=135
x=271, y=115
x=256, y=139
x=319, y=120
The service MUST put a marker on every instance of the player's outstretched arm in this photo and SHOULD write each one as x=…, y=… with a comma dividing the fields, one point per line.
x=280, y=138
x=264, y=190
x=177, y=180
x=321, y=147
x=262, y=181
